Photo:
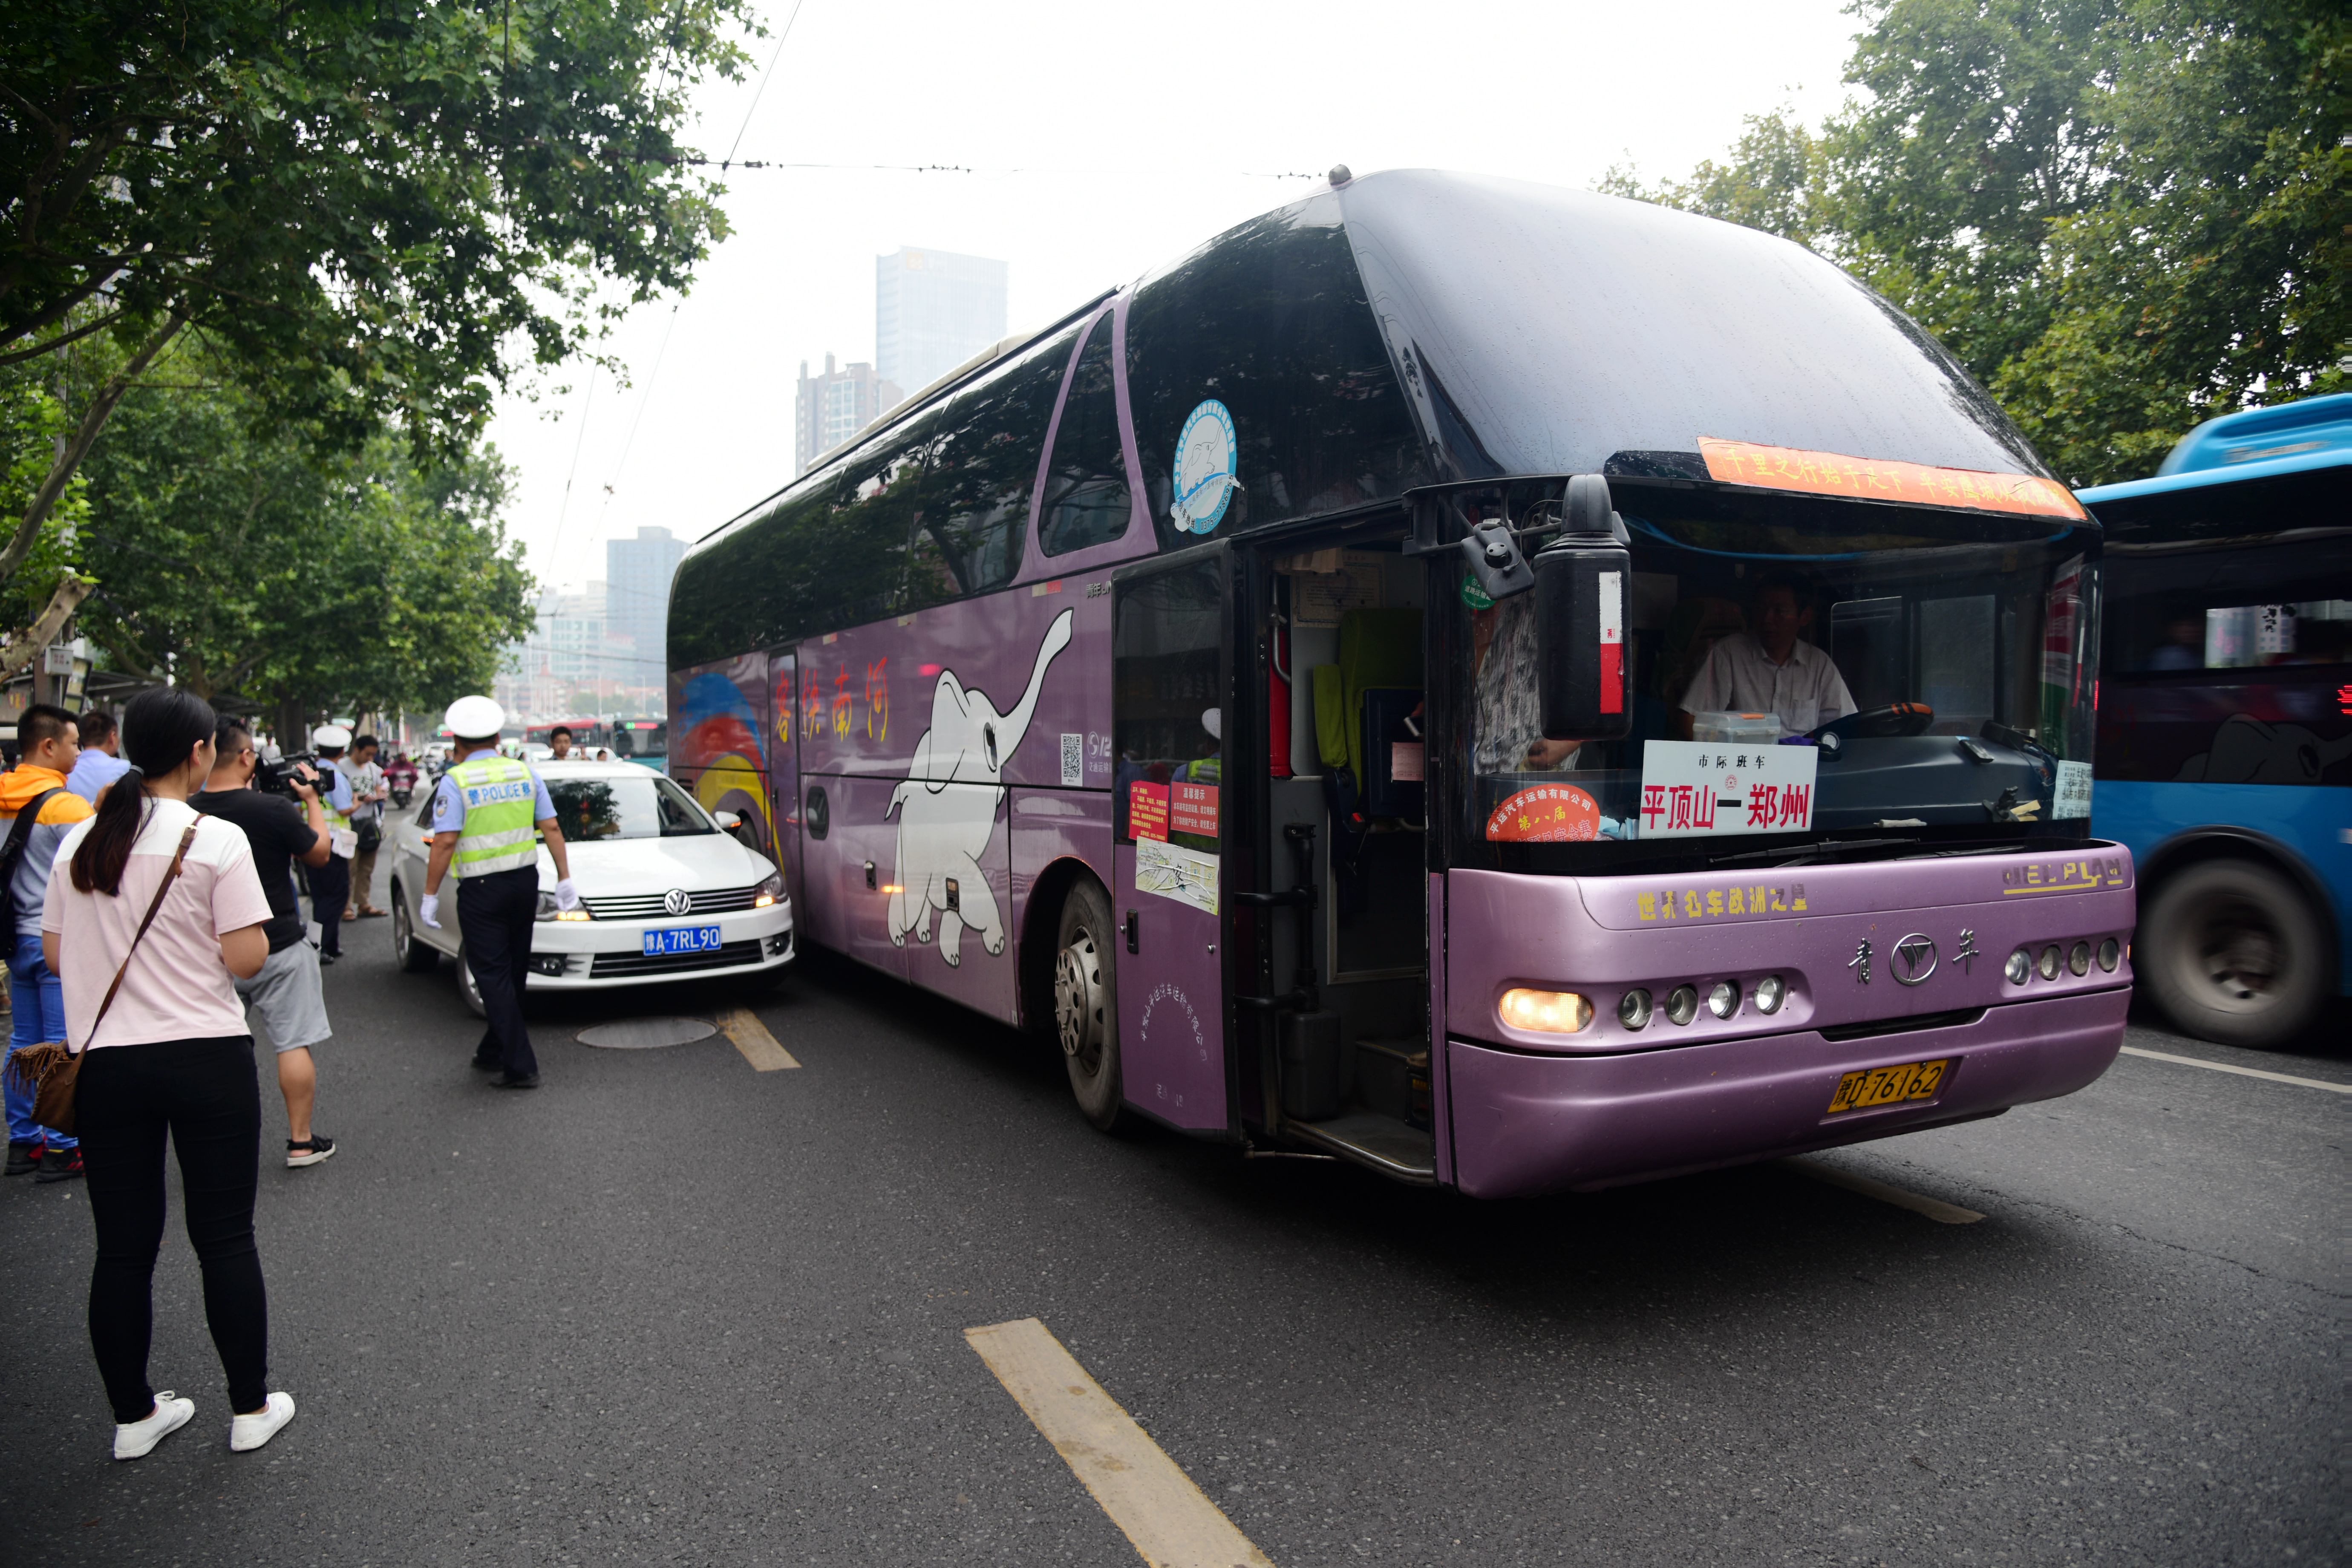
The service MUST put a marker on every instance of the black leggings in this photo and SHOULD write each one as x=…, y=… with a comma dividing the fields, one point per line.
x=204, y=1092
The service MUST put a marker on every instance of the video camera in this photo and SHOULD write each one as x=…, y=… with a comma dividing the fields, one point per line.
x=276, y=775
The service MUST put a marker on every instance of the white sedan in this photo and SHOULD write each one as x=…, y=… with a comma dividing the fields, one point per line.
x=667, y=891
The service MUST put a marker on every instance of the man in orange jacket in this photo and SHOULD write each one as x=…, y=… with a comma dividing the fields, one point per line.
x=29, y=836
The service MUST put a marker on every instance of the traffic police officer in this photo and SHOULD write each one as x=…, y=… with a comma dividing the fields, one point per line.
x=486, y=810
x=331, y=884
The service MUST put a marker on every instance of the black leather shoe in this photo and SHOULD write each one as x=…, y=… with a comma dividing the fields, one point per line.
x=527, y=1080
x=493, y=1065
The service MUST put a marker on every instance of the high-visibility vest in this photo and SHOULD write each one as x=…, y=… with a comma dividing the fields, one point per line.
x=335, y=819
x=501, y=798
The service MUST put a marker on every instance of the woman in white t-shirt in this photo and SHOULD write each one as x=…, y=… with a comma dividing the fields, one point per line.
x=169, y=1053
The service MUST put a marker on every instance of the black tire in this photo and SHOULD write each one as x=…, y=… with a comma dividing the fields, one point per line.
x=1085, y=1001
x=2234, y=952
x=413, y=955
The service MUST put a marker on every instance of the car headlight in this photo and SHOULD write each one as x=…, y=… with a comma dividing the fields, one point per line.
x=769, y=892
x=547, y=911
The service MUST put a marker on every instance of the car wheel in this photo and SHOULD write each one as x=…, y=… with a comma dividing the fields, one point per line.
x=413, y=955
x=1085, y=1002
x=2233, y=954
x=470, y=992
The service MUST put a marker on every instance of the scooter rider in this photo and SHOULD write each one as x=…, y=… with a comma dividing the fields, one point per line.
x=486, y=811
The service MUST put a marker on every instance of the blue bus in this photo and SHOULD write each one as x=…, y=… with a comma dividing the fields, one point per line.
x=2224, y=755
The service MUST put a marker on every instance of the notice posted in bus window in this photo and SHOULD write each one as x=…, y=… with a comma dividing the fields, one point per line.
x=1713, y=789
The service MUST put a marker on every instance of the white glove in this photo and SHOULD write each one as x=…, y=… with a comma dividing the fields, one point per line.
x=427, y=907
x=567, y=897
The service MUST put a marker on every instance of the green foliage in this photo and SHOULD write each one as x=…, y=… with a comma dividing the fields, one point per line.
x=239, y=560
x=32, y=420
x=2125, y=216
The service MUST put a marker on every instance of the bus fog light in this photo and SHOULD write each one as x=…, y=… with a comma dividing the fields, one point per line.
x=2020, y=967
x=2049, y=964
x=2110, y=954
x=2078, y=958
x=1545, y=1012
x=1723, y=999
x=1770, y=992
x=1633, y=1009
x=1682, y=1006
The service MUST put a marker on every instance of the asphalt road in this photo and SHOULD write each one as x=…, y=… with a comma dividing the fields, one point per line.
x=671, y=1311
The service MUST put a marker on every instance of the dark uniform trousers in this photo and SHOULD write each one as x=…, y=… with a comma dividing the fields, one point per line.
x=495, y=914
x=331, y=890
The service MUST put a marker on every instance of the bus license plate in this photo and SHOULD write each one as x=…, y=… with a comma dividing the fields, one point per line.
x=681, y=939
x=1886, y=1085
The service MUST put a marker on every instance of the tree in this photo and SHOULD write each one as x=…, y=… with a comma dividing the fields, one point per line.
x=370, y=212
x=242, y=563
x=2124, y=217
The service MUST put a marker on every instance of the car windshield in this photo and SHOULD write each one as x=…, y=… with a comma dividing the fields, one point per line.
x=1800, y=670
x=646, y=807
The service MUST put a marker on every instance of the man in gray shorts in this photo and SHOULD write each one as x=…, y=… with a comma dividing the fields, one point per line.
x=286, y=996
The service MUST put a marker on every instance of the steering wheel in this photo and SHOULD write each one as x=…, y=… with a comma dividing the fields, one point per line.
x=1880, y=723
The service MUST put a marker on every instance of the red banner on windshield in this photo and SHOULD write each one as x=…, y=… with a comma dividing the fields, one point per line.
x=1879, y=479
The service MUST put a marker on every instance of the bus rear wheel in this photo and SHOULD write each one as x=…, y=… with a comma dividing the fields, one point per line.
x=1085, y=1002
x=2233, y=954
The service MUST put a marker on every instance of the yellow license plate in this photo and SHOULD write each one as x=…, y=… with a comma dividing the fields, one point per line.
x=1887, y=1086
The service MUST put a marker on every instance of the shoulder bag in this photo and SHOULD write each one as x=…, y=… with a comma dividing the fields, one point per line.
x=12, y=856
x=52, y=1070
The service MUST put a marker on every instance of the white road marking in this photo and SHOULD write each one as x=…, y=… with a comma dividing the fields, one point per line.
x=2242, y=1072
x=751, y=1037
x=1164, y=1516
x=1934, y=1208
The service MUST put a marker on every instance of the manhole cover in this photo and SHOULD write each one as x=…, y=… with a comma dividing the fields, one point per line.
x=647, y=1033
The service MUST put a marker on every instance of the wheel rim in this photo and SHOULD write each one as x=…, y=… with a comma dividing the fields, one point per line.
x=400, y=932
x=1078, y=1000
x=467, y=983
x=2238, y=948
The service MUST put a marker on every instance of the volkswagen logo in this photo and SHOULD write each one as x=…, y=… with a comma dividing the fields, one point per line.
x=1915, y=959
x=678, y=902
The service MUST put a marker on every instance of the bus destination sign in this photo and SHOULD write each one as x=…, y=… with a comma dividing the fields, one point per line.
x=1714, y=789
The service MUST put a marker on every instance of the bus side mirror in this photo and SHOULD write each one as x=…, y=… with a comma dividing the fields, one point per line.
x=1582, y=577
x=1495, y=562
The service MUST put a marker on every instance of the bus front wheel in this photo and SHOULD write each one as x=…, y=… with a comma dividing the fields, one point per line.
x=1085, y=1002
x=2234, y=953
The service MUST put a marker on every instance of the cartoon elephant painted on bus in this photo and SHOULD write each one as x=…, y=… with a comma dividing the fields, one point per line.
x=947, y=808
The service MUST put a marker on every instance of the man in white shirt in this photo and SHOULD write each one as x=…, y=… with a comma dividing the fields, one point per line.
x=1770, y=670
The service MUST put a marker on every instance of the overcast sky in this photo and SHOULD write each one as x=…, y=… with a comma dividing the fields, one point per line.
x=1109, y=139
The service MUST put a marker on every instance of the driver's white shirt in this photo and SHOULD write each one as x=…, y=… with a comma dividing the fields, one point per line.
x=1737, y=676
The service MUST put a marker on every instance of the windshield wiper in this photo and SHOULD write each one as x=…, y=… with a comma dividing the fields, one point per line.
x=1803, y=854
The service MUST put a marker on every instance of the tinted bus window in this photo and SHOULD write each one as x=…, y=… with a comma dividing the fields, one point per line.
x=1085, y=488
x=1271, y=320
x=979, y=459
x=1165, y=670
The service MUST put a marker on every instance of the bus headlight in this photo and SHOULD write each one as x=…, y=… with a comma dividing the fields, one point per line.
x=2110, y=954
x=2078, y=958
x=2020, y=967
x=1770, y=992
x=1633, y=1009
x=1723, y=999
x=1682, y=1006
x=2049, y=964
x=1545, y=1012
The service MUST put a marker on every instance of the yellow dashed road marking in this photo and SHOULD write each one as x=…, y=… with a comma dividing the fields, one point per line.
x=1147, y=1495
x=1934, y=1208
x=751, y=1037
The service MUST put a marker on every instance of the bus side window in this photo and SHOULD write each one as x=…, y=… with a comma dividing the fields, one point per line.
x=1086, y=499
x=980, y=457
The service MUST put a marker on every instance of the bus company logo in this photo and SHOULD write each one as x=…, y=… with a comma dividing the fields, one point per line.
x=2084, y=876
x=1206, y=452
x=1711, y=903
x=1915, y=959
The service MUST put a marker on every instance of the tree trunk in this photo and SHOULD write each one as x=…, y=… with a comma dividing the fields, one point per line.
x=62, y=603
x=68, y=459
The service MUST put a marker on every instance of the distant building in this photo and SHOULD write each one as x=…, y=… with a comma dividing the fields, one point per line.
x=933, y=309
x=638, y=573
x=833, y=406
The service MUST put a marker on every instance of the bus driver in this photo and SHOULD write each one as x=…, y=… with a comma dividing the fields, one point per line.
x=1770, y=669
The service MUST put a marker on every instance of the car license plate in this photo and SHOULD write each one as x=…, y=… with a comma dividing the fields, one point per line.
x=681, y=939
x=1886, y=1085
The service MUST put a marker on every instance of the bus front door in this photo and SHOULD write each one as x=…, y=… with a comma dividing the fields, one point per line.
x=1171, y=667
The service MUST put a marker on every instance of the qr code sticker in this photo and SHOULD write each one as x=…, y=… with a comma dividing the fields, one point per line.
x=1074, y=761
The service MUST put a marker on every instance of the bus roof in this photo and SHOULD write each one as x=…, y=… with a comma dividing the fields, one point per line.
x=2285, y=438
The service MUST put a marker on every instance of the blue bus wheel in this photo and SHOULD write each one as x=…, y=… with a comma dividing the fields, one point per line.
x=2233, y=954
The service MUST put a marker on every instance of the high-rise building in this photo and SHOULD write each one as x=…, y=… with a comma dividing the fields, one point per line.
x=638, y=573
x=832, y=407
x=933, y=309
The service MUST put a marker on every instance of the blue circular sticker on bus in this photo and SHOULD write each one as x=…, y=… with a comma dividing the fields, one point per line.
x=1205, y=453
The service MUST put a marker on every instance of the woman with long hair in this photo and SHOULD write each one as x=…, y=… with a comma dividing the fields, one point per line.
x=152, y=909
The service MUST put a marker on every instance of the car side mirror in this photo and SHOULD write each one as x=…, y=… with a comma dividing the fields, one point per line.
x=1583, y=676
x=729, y=820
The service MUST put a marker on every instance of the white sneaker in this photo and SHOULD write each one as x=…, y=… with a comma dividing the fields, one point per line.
x=137, y=1439
x=247, y=1433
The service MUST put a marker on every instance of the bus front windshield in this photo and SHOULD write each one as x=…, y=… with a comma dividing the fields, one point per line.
x=1800, y=670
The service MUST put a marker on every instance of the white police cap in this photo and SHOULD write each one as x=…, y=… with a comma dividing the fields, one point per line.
x=332, y=736
x=475, y=718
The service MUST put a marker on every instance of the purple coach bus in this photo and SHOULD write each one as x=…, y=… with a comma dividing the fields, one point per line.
x=1518, y=689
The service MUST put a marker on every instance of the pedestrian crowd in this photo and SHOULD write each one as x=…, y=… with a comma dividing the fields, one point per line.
x=151, y=875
